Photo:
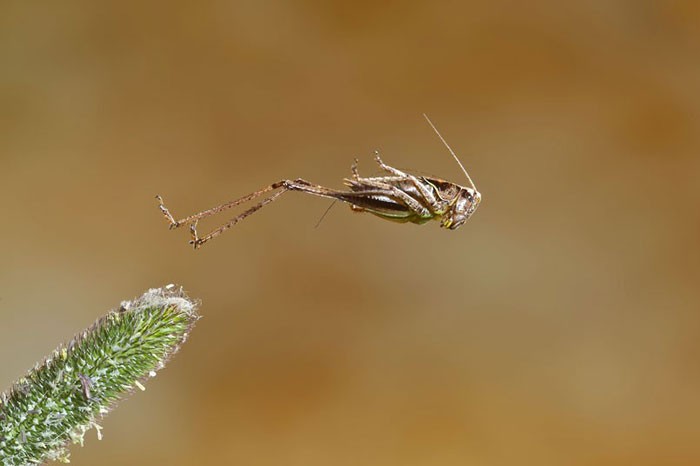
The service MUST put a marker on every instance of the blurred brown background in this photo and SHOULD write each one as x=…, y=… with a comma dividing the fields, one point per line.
x=559, y=326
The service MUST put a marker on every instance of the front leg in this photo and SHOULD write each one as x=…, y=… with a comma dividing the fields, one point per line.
x=427, y=193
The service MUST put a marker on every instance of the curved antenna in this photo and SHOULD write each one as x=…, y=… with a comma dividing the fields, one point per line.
x=451, y=151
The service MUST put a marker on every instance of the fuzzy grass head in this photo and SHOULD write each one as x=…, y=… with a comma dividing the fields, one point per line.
x=65, y=396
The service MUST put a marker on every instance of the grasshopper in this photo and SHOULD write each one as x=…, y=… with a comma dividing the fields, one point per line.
x=397, y=196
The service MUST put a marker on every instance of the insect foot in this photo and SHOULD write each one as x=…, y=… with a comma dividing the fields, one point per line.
x=166, y=213
x=196, y=242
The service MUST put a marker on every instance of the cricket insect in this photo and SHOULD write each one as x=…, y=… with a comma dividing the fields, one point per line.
x=398, y=196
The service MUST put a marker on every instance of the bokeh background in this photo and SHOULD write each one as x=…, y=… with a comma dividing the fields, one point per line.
x=559, y=326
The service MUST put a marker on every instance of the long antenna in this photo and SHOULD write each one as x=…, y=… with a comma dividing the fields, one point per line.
x=451, y=151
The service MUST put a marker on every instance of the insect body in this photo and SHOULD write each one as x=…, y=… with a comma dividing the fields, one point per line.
x=85, y=385
x=398, y=196
x=404, y=197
